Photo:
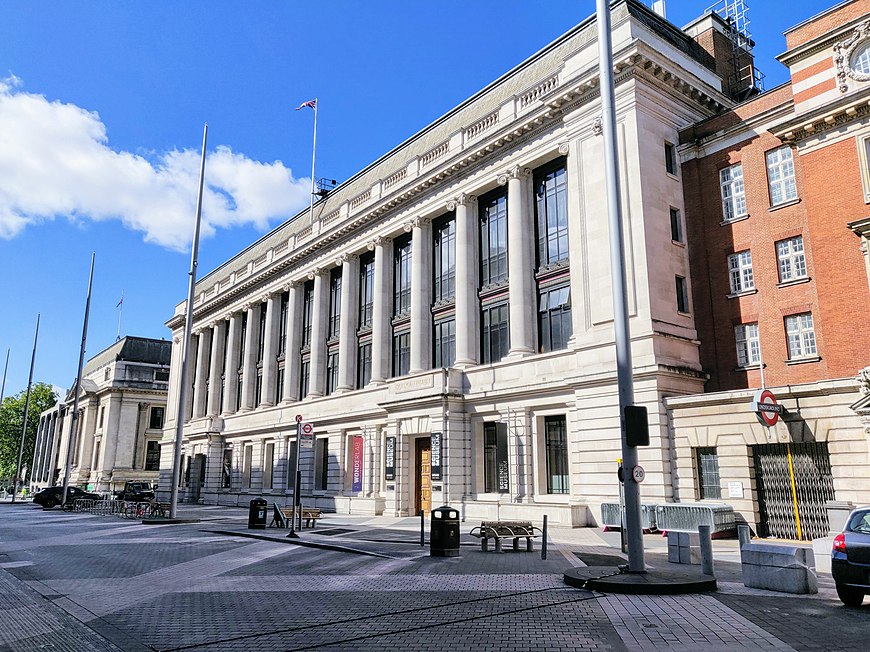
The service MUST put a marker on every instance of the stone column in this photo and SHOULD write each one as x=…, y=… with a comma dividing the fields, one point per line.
x=347, y=352
x=232, y=363
x=190, y=376
x=467, y=312
x=421, y=294
x=294, y=341
x=317, y=379
x=381, y=308
x=218, y=357
x=270, y=350
x=200, y=387
x=520, y=262
x=249, y=369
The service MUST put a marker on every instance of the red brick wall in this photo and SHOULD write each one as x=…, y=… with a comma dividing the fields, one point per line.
x=833, y=20
x=834, y=195
x=709, y=246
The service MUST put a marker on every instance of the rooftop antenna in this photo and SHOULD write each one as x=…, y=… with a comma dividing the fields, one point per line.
x=746, y=79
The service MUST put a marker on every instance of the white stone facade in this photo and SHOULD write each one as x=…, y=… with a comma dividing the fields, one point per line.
x=496, y=144
x=122, y=406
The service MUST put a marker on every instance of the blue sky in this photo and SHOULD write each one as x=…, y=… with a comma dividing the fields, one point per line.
x=101, y=112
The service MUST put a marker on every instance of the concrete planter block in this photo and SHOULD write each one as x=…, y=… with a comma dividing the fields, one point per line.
x=788, y=569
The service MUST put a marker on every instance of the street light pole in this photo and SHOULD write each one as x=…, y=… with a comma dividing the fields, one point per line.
x=26, y=409
x=185, y=343
x=624, y=379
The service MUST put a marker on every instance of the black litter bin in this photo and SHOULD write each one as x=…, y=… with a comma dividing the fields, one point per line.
x=257, y=514
x=444, y=532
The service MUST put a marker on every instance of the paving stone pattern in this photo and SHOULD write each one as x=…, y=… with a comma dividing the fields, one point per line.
x=81, y=582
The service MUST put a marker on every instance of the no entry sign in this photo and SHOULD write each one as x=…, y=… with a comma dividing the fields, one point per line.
x=766, y=408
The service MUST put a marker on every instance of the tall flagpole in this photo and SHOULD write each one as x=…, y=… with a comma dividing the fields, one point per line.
x=313, y=157
x=622, y=334
x=71, y=440
x=185, y=343
x=120, y=311
x=26, y=409
x=3, y=386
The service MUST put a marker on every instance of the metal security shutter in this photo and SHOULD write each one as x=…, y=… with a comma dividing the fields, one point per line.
x=793, y=474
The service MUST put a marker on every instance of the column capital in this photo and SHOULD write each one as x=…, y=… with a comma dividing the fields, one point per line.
x=290, y=285
x=415, y=223
x=563, y=148
x=265, y=298
x=345, y=258
x=515, y=172
x=314, y=273
x=461, y=200
x=378, y=241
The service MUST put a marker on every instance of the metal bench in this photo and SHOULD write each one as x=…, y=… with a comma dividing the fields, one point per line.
x=498, y=530
x=281, y=516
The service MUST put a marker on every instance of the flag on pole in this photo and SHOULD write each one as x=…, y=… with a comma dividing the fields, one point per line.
x=311, y=104
x=121, y=301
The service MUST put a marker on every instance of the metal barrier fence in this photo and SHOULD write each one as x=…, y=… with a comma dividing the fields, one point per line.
x=610, y=515
x=118, y=508
x=686, y=517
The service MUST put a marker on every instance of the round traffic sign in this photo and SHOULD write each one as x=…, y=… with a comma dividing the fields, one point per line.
x=766, y=407
x=298, y=418
x=307, y=428
x=638, y=474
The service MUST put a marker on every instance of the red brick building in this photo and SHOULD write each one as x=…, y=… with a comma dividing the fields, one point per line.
x=776, y=203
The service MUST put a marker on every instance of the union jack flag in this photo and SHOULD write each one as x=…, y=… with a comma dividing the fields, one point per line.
x=311, y=104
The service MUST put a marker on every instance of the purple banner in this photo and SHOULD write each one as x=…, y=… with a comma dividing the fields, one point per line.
x=357, y=465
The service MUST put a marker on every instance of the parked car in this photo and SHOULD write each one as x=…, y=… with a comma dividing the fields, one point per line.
x=51, y=496
x=136, y=491
x=850, y=559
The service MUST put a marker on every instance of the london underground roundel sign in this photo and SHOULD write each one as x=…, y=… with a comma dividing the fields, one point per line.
x=766, y=408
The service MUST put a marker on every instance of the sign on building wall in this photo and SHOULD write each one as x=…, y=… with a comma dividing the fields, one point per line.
x=502, y=467
x=357, y=465
x=435, y=438
x=390, y=459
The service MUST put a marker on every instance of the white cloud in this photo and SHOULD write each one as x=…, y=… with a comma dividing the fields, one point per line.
x=55, y=161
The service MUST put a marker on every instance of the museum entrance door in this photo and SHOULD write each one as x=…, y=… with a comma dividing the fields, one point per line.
x=424, y=475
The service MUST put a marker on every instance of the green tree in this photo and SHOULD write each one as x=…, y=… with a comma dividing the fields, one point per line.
x=42, y=397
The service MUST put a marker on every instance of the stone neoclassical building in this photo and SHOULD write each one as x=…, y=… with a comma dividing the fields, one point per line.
x=122, y=407
x=443, y=319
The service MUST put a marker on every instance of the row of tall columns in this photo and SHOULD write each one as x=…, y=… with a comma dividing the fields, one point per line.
x=213, y=359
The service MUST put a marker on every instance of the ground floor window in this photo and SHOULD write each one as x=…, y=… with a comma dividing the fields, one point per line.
x=227, y=469
x=152, y=456
x=268, y=464
x=291, y=465
x=556, y=439
x=321, y=465
x=246, y=466
x=707, y=461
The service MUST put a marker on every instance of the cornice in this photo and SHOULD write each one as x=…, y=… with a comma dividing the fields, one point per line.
x=555, y=103
x=824, y=118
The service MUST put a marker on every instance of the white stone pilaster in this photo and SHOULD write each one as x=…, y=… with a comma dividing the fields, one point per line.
x=294, y=341
x=467, y=313
x=520, y=262
x=382, y=305
x=249, y=368
x=421, y=295
x=200, y=383
x=270, y=350
x=218, y=357
x=319, y=312
x=347, y=353
x=232, y=363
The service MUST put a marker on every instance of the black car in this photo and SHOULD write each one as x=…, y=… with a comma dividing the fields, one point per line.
x=52, y=496
x=850, y=559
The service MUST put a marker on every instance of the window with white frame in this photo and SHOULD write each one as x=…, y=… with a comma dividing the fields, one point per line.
x=740, y=272
x=748, y=344
x=780, y=176
x=861, y=60
x=733, y=193
x=801, y=336
x=791, y=259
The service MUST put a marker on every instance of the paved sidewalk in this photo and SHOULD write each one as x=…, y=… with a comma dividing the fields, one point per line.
x=363, y=583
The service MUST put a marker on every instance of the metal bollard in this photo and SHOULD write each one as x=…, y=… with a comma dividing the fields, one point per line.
x=706, y=544
x=544, y=539
x=744, y=536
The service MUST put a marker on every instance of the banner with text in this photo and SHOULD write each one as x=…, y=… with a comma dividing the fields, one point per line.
x=357, y=465
x=435, y=439
x=503, y=476
x=390, y=459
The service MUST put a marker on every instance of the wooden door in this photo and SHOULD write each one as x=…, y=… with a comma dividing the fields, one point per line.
x=424, y=475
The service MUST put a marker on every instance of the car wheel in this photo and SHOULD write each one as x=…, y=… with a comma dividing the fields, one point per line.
x=49, y=503
x=850, y=596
